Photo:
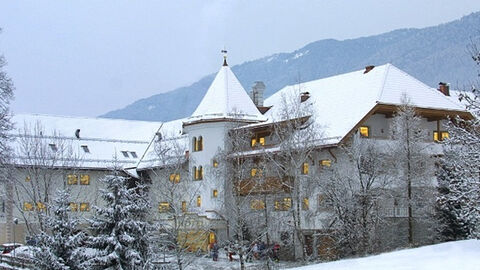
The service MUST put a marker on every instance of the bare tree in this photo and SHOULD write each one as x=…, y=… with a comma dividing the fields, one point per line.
x=177, y=197
x=414, y=166
x=245, y=190
x=6, y=95
x=296, y=136
x=353, y=190
x=40, y=166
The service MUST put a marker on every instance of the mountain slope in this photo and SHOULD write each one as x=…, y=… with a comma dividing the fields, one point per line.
x=430, y=54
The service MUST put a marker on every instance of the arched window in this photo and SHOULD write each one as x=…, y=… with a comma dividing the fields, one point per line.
x=200, y=143
x=195, y=174
x=200, y=172
x=194, y=144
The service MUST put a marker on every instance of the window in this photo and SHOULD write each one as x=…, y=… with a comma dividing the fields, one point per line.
x=197, y=144
x=215, y=163
x=163, y=207
x=27, y=179
x=322, y=202
x=184, y=206
x=443, y=135
x=261, y=140
x=84, y=207
x=72, y=179
x=283, y=205
x=257, y=204
x=364, y=131
x=85, y=149
x=305, y=204
x=73, y=207
x=174, y=177
x=84, y=179
x=215, y=193
x=27, y=206
x=134, y=154
x=253, y=142
x=199, y=201
x=325, y=163
x=125, y=154
x=41, y=206
x=53, y=147
x=305, y=168
x=253, y=172
x=197, y=173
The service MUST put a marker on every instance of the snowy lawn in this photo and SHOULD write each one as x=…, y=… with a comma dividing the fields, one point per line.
x=463, y=255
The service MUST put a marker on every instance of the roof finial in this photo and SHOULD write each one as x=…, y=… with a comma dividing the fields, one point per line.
x=224, y=51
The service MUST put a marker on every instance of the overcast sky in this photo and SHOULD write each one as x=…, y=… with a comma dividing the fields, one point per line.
x=89, y=57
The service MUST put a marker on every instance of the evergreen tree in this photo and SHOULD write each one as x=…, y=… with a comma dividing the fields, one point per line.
x=121, y=232
x=462, y=162
x=62, y=248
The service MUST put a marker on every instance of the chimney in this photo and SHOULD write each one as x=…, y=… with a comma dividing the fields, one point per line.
x=368, y=68
x=304, y=96
x=256, y=94
x=444, y=88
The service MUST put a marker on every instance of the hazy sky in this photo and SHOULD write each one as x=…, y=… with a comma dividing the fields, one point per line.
x=89, y=57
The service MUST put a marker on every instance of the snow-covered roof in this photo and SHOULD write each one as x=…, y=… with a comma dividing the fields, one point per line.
x=226, y=98
x=167, y=148
x=102, y=141
x=341, y=102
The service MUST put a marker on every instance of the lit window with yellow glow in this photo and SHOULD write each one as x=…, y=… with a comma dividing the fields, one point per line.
x=73, y=207
x=184, y=206
x=27, y=206
x=215, y=163
x=305, y=204
x=174, y=177
x=325, y=162
x=84, y=207
x=163, y=207
x=364, y=131
x=27, y=179
x=253, y=142
x=261, y=140
x=72, y=179
x=305, y=168
x=215, y=193
x=257, y=204
x=200, y=143
x=84, y=179
x=253, y=172
x=283, y=205
x=197, y=173
x=199, y=201
x=41, y=206
x=440, y=135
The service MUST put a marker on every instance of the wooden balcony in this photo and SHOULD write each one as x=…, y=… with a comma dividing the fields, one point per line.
x=263, y=185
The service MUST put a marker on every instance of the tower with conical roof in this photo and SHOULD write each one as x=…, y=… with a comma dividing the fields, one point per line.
x=226, y=104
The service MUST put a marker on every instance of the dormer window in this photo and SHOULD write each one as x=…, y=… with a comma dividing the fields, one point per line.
x=134, y=154
x=53, y=147
x=125, y=154
x=85, y=149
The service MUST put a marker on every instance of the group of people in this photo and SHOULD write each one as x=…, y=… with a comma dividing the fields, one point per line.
x=257, y=251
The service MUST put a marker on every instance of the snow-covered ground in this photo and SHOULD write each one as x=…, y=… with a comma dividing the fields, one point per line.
x=463, y=255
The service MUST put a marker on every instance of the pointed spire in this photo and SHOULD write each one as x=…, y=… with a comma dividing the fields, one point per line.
x=224, y=51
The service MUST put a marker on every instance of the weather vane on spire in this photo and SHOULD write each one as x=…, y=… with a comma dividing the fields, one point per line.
x=224, y=51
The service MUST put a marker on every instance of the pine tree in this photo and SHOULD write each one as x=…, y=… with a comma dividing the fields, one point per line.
x=121, y=232
x=462, y=162
x=61, y=248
